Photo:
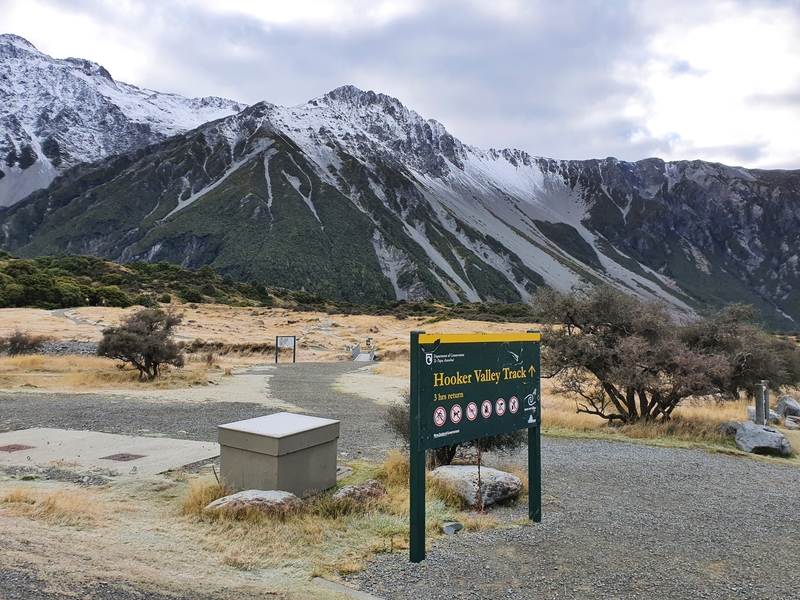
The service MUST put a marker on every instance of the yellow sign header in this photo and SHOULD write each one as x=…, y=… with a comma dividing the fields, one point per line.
x=471, y=338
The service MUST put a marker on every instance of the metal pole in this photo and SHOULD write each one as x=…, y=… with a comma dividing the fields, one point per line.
x=765, y=383
x=535, y=457
x=276, y=349
x=759, y=404
x=416, y=551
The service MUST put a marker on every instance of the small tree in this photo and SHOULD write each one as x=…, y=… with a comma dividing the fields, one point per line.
x=752, y=354
x=21, y=342
x=143, y=340
x=620, y=358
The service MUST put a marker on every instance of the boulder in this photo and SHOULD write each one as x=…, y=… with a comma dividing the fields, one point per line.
x=496, y=485
x=774, y=417
x=792, y=422
x=365, y=492
x=728, y=428
x=760, y=439
x=787, y=406
x=269, y=502
x=452, y=527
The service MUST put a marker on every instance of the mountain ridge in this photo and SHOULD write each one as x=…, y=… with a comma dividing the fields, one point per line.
x=355, y=196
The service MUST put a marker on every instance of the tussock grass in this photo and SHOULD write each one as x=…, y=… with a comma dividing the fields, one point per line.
x=694, y=422
x=201, y=494
x=72, y=508
x=323, y=538
x=88, y=372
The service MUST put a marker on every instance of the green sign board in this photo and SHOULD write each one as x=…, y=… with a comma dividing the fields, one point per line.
x=473, y=386
x=470, y=386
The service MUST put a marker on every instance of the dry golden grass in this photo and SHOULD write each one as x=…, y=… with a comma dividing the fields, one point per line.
x=201, y=494
x=74, y=372
x=400, y=369
x=323, y=538
x=71, y=508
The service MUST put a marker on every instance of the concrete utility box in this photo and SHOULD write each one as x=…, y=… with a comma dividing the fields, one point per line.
x=284, y=451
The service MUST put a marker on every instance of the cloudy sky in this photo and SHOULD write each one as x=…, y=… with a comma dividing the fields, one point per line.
x=716, y=80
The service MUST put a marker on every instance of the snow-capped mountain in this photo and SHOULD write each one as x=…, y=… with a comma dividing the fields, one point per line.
x=354, y=196
x=58, y=113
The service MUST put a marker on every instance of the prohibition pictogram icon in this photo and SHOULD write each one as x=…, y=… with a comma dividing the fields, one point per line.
x=439, y=416
x=500, y=407
x=486, y=409
x=513, y=404
x=472, y=411
x=455, y=413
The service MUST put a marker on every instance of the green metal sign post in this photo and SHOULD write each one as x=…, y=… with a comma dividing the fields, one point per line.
x=470, y=386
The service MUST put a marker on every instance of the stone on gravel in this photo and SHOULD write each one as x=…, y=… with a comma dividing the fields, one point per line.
x=496, y=485
x=365, y=492
x=787, y=406
x=265, y=501
x=774, y=417
x=451, y=527
x=728, y=428
x=760, y=439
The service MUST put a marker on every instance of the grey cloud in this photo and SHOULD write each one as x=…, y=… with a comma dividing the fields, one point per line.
x=684, y=67
x=790, y=100
x=545, y=82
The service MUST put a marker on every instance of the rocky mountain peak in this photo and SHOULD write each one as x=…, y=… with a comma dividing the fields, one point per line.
x=57, y=113
x=10, y=42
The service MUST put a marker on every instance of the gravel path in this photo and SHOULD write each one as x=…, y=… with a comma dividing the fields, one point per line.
x=620, y=520
x=624, y=521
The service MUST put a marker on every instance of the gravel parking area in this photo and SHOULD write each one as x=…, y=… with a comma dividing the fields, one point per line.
x=623, y=521
x=620, y=520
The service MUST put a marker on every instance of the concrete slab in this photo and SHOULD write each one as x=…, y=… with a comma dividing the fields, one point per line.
x=42, y=447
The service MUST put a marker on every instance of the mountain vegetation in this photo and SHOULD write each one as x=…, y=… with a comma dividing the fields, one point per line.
x=52, y=282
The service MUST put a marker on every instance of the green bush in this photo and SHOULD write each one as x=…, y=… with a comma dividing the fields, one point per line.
x=192, y=294
x=145, y=300
x=113, y=296
x=165, y=298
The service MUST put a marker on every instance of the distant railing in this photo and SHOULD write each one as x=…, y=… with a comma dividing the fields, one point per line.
x=362, y=356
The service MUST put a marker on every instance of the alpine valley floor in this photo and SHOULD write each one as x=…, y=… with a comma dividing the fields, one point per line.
x=620, y=520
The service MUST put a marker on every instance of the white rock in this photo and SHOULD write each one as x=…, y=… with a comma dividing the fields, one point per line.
x=266, y=501
x=496, y=485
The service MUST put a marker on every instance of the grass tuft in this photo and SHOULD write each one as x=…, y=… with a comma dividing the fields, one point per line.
x=201, y=494
x=72, y=508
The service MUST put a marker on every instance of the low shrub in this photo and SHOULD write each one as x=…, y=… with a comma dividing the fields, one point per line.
x=21, y=342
